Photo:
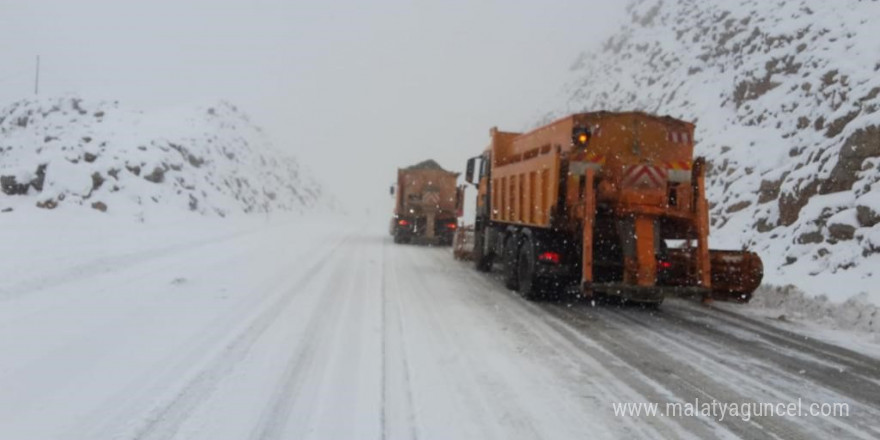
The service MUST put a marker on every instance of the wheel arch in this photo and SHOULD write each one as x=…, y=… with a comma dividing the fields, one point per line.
x=526, y=235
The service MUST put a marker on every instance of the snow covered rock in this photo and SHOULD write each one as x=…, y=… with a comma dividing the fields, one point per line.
x=785, y=95
x=212, y=161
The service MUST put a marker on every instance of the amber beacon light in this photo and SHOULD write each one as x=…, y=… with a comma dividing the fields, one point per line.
x=580, y=136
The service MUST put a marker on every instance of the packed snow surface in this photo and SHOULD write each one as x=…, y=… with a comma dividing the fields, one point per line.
x=280, y=326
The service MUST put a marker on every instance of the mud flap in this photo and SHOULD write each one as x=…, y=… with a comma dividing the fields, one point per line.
x=463, y=243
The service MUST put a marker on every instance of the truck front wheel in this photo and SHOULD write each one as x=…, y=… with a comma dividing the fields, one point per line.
x=511, y=280
x=482, y=261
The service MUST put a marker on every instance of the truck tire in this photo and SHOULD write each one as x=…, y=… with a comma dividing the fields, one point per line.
x=446, y=240
x=511, y=278
x=482, y=262
x=400, y=237
x=529, y=284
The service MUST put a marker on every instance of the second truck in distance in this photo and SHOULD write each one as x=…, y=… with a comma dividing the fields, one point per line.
x=427, y=204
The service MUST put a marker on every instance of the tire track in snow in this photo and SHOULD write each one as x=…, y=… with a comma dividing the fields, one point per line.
x=342, y=384
x=681, y=378
x=606, y=379
x=857, y=363
x=394, y=343
x=485, y=395
x=274, y=417
x=648, y=369
x=165, y=420
x=763, y=364
x=612, y=328
x=847, y=375
x=383, y=380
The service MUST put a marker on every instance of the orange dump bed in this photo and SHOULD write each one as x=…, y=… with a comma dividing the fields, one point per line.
x=635, y=154
x=426, y=189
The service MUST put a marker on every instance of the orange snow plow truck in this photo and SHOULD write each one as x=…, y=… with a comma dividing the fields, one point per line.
x=427, y=204
x=603, y=203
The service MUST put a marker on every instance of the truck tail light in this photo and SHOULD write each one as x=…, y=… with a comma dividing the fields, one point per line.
x=451, y=225
x=664, y=265
x=549, y=257
x=402, y=222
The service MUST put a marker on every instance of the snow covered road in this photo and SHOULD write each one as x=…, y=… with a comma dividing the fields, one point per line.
x=333, y=332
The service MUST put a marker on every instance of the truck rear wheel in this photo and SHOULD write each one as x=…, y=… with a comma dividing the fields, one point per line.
x=529, y=284
x=399, y=237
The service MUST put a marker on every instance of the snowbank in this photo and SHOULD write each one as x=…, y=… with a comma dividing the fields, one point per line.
x=854, y=323
x=792, y=303
x=56, y=153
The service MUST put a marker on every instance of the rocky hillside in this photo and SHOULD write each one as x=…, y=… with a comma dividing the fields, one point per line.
x=55, y=153
x=785, y=95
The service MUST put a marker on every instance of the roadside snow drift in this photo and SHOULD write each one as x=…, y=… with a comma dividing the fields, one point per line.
x=210, y=160
x=785, y=95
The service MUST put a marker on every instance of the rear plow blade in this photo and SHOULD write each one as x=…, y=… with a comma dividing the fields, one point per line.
x=735, y=275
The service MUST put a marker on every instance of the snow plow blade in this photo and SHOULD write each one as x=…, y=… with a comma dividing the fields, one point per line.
x=735, y=275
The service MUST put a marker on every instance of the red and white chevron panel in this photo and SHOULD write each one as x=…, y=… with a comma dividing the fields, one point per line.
x=679, y=137
x=431, y=198
x=644, y=176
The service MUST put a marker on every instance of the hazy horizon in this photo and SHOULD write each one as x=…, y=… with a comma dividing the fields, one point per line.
x=353, y=92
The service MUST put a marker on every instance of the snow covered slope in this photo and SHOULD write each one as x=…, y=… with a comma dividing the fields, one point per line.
x=213, y=160
x=785, y=97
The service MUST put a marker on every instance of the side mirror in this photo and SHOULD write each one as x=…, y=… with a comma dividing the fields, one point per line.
x=392, y=190
x=459, y=200
x=469, y=172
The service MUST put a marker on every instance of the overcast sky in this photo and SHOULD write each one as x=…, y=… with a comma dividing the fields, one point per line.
x=354, y=89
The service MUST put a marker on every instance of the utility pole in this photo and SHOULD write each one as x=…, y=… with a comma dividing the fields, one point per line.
x=37, y=79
